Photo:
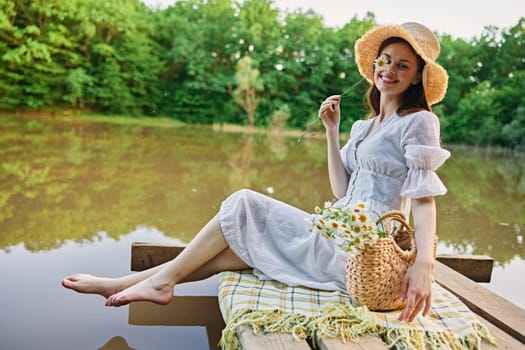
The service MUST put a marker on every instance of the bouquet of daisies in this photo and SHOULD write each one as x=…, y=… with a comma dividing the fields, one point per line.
x=352, y=228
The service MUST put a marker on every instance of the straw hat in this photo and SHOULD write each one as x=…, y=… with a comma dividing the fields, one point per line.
x=424, y=43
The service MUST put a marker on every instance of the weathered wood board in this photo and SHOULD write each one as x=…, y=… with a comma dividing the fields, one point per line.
x=505, y=320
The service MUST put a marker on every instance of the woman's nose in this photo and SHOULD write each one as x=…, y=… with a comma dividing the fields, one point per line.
x=389, y=67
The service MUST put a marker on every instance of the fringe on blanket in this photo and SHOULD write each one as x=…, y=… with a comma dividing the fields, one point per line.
x=263, y=321
x=404, y=339
x=348, y=322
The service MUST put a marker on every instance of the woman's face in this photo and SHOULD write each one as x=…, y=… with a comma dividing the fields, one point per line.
x=399, y=72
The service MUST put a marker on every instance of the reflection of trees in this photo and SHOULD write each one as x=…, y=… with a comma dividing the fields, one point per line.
x=240, y=164
x=116, y=343
x=277, y=145
x=71, y=181
x=484, y=209
x=62, y=181
x=110, y=179
x=306, y=173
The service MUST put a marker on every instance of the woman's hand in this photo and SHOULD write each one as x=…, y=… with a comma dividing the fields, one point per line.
x=417, y=290
x=330, y=114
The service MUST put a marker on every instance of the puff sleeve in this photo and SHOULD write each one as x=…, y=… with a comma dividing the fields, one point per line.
x=423, y=156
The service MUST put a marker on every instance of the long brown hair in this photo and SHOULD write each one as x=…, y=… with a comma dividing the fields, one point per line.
x=413, y=99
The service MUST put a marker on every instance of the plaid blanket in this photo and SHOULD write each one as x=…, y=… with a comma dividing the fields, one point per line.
x=270, y=306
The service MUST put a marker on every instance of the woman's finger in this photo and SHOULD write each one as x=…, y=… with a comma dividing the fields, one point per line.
x=410, y=306
x=428, y=301
x=416, y=309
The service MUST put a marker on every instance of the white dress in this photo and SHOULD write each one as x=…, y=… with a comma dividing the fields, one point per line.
x=394, y=162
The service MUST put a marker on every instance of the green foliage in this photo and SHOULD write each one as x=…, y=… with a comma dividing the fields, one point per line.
x=120, y=57
x=96, y=54
x=280, y=118
x=514, y=131
x=486, y=88
x=249, y=84
x=199, y=42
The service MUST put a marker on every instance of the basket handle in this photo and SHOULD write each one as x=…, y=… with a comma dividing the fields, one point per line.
x=396, y=215
x=399, y=216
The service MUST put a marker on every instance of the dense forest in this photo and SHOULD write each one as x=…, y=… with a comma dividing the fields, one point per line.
x=227, y=61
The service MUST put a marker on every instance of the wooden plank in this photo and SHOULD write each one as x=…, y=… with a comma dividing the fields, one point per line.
x=271, y=341
x=182, y=311
x=503, y=316
x=476, y=267
x=500, y=312
x=146, y=255
x=504, y=340
x=367, y=342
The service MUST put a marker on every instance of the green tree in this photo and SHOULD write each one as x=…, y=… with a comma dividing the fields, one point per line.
x=83, y=52
x=249, y=84
x=476, y=121
x=199, y=40
x=485, y=90
x=77, y=83
x=461, y=60
x=122, y=59
x=31, y=54
x=514, y=132
x=509, y=100
x=260, y=36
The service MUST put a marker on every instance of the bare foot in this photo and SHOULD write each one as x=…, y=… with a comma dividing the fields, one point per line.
x=146, y=290
x=90, y=284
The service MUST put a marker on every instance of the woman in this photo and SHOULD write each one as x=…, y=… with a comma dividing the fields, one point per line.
x=389, y=161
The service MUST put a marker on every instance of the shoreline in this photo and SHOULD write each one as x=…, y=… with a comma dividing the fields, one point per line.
x=168, y=122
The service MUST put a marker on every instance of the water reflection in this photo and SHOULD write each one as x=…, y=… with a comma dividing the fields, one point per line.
x=37, y=313
x=116, y=343
x=484, y=211
x=182, y=311
x=74, y=195
x=63, y=180
x=241, y=170
x=73, y=180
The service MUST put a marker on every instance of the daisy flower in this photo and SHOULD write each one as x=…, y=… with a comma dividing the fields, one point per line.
x=350, y=227
x=380, y=63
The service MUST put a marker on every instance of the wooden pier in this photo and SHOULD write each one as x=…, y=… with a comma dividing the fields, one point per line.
x=505, y=320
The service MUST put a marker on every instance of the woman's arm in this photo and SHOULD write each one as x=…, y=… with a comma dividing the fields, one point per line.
x=329, y=113
x=417, y=283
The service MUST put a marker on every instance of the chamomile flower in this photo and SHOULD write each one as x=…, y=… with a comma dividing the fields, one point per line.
x=350, y=227
x=380, y=63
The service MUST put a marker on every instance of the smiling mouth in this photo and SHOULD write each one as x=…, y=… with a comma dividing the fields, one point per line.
x=388, y=80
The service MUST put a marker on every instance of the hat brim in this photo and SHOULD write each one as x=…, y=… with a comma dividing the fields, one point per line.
x=366, y=51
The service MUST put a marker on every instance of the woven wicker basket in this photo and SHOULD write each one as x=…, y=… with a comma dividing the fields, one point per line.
x=375, y=274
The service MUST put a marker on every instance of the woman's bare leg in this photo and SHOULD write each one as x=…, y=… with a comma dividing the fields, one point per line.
x=85, y=283
x=226, y=260
x=207, y=253
x=158, y=288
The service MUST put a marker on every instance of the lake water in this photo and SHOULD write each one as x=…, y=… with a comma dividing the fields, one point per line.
x=75, y=195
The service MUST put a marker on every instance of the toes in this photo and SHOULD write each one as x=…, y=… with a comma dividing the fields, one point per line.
x=115, y=300
x=68, y=283
x=110, y=301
